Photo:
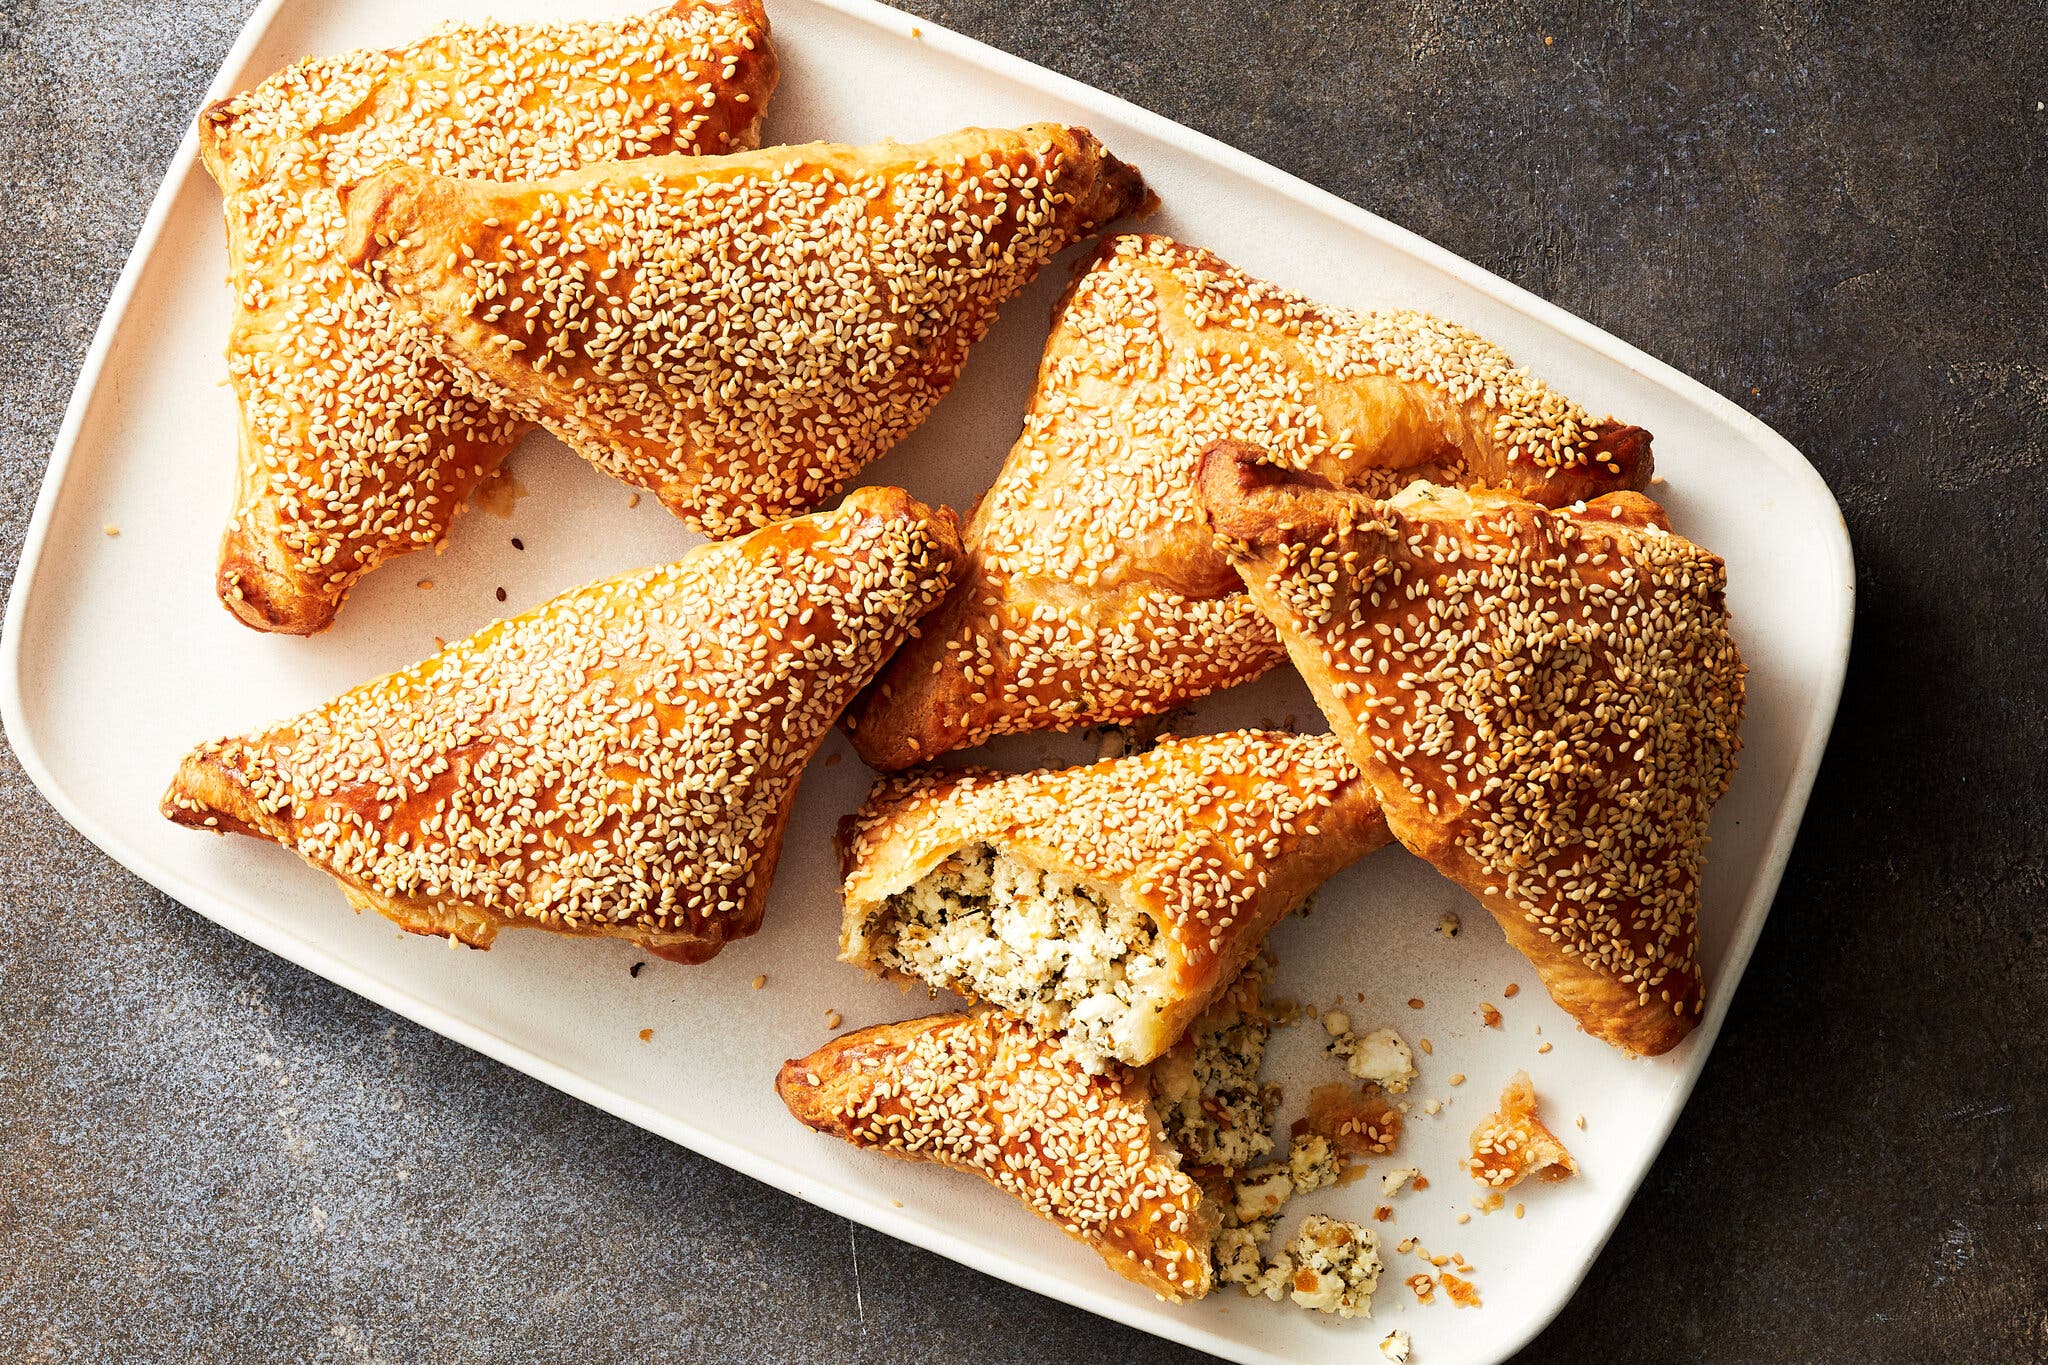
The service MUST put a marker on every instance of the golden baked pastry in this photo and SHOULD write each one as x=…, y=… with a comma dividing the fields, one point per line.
x=1111, y=902
x=1512, y=1144
x=1547, y=701
x=620, y=761
x=356, y=444
x=1091, y=594
x=985, y=1093
x=741, y=334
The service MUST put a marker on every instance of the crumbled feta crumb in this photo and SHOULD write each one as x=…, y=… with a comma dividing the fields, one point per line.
x=1448, y=925
x=1312, y=1163
x=1380, y=1057
x=1337, y=1267
x=1207, y=1088
x=1394, y=1346
x=1261, y=1192
x=1237, y=1255
x=1337, y=1022
x=1271, y=1282
x=1392, y=1181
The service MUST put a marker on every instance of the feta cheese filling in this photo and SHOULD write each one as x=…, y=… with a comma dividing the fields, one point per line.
x=1065, y=956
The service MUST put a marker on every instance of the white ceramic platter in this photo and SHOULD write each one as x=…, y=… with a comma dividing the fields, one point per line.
x=116, y=658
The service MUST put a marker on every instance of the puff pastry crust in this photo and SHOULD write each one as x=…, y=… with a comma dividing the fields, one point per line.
x=1211, y=840
x=1091, y=593
x=742, y=334
x=356, y=445
x=985, y=1093
x=620, y=761
x=1547, y=700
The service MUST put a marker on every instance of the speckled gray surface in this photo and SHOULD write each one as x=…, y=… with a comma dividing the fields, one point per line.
x=1836, y=215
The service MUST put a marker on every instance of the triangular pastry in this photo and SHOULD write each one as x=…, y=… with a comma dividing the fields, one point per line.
x=1111, y=902
x=985, y=1093
x=620, y=761
x=740, y=334
x=356, y=444
x=1547, y=701
x=1091, y=594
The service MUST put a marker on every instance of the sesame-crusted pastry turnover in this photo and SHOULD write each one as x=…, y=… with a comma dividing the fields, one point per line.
x=1547, y=701
x=1112, y=902
x=986, y=1093
x=741, y=334
x=1091, y=594
x=620, y=761
x=356, y=443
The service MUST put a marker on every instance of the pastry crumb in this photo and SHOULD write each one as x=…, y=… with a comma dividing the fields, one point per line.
x=1542, y=1048
x=1460, y=1292
x=1448, y=926
x=1358, y=1121
x=1512, y=989
x=1414, y=1003
x=647, y=1035
x=1488, y=1015
x=1512, y=1143
x=1423, y=1287
x=424, y=584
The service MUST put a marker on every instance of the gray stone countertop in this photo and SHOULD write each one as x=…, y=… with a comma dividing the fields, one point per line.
x=1836, y=215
